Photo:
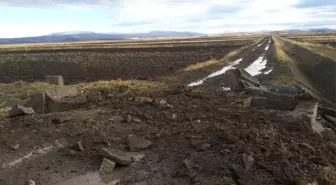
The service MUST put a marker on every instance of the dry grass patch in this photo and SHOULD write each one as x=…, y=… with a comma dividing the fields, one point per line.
x=21, y=89
x=201, y=65
x=325, y=51
x=285, y=81
x=141, y=85
x=4, y=112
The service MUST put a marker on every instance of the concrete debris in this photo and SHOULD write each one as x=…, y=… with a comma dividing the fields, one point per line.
x=144, y=99
x=116, y=118
x=190, y=166
x=248, y=161
x=137, y=120
x=117, y=156
x=54, y=79
x=31, y=182
x=15, y=147
x=79, y=146
x=307, y=110
x=127, y=118
x=135, y=143
x=266, y=103
x=205, y=147
x=60, y=120
x=38, y=102
x=174, y=117
x=20, y=110
x=107, y=166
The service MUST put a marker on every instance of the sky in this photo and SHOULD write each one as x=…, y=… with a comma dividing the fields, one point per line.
x=21, y=18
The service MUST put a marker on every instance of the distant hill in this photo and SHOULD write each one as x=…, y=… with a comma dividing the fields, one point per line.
x=90, y=36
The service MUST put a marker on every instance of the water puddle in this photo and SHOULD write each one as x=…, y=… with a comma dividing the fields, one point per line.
x=267, y=47
x=217, y=73
x=257, y=66
x=259, y=45
x=94, y=178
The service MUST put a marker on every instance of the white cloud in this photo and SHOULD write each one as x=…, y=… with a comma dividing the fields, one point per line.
x=210, y=16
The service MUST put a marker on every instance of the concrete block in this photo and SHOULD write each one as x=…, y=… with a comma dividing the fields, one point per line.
x=65, y=104
x=307, y=110
x=266, y=103
x=62, y=92
x=55, y=79
x=37, y=102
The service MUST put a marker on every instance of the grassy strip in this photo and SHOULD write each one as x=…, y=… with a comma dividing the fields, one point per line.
x=127, y=84
x=325, y=51
x=280, y=55
x=201, y=65
x=21, y=89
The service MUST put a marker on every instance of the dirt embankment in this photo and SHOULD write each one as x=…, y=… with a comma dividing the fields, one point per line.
x=319, y=70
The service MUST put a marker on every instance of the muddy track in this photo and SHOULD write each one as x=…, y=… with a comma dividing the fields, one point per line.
x=259, y=60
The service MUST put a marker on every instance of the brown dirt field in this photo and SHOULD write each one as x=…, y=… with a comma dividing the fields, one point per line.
x=200, y=136
x=82, y=65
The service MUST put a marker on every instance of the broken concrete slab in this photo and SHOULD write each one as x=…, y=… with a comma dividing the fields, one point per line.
x=38, y=102
x=307, y=110
x=266, y=103
x=135, y=143
x=54, y=79
x=117, y=156
x=61, y=105
x=20, y=110
x=107, y=166
x=62, y=92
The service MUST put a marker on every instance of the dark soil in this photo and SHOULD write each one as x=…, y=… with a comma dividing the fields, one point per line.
x=283, y=151
x=105, y=64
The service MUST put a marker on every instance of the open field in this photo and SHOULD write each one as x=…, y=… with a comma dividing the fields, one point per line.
x=168, y=113
x=90, y=64
x=324, y=39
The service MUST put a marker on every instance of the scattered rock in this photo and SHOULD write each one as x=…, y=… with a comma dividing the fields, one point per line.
x=15, y=147
x=107, y=166
x=248, y=161
x=198, y=121
x=135, y=143
x=72, y=152
x=19, y=110
x=116, y=118
x=174, y=117
x=205, y=146
x=60, y=120
x=305, y=145
x=191, y=166
x=79, y=146
x=144, y=99
x=332, y=146
x=127, y=118
x=31, y=182
x=137, y=120
x=117, y=156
